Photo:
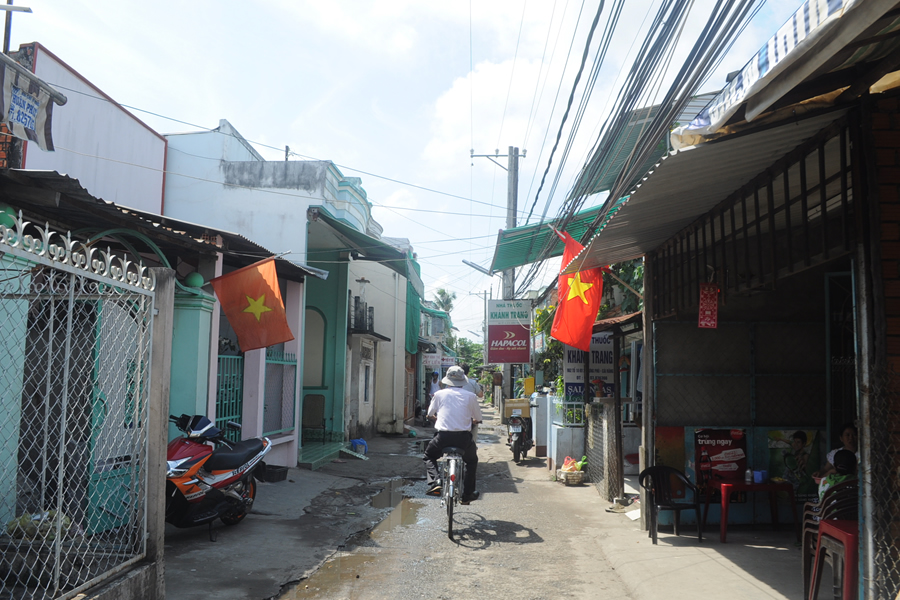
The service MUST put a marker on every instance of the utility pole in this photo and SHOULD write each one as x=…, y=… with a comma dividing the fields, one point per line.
x=9, y=9
x=512, y=206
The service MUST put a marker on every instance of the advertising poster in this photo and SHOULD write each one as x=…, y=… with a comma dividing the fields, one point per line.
x=601, y=367
x=509, y=331
x=794, y=455
x=720, y=454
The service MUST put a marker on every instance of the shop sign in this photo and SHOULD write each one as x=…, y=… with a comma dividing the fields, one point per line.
x=601, y=367
x=26, y=108
x=709, y=306
x=449, y=361
x=431, y=360
x=509, y=331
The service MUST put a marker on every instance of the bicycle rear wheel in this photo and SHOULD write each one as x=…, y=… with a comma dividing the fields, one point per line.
x=450, y=514
x=451, y=491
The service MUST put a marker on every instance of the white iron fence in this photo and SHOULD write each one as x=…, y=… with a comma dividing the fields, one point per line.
x=75, y=329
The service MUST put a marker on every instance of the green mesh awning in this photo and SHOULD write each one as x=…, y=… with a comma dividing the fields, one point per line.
x=368, y=247
x=413, y=318
x=438, y=313
x=522, y=245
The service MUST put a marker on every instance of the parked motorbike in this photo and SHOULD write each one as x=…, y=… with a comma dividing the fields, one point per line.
x=519, y=434
x=209, y=477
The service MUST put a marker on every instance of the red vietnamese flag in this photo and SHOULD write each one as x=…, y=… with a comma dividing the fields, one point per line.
x=252, y=303
x=578, y=302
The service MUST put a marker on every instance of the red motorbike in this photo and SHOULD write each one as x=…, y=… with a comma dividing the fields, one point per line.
x=209, y=477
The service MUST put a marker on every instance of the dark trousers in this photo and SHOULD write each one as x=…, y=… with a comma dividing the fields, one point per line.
x=435, y=449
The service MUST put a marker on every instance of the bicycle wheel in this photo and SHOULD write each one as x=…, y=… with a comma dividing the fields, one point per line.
x=450, y=493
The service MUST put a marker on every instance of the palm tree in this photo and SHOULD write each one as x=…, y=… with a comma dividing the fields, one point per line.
x=444, y=300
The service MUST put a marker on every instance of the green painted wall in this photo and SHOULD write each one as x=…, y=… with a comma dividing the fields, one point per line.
x=13, y=328
x=330, y=298
x=190, y=356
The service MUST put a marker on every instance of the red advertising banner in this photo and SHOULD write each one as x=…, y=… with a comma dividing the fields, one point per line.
x=508, y=344
x=709, y=306
x=720, y=454
x=509, y=331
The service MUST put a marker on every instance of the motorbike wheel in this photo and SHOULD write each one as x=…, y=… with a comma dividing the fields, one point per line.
x=516, y=449
x=240, y=512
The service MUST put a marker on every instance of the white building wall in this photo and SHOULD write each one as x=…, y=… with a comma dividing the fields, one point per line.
x=386, y=291
x=112, y=153
x=215, y=178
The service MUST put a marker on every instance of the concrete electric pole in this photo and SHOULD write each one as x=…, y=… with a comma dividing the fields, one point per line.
x=512, y=207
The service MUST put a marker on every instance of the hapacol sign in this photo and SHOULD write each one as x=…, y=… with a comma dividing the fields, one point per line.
x=509, y=330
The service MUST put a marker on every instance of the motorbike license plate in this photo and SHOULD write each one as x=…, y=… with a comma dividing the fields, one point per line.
x=515, y=429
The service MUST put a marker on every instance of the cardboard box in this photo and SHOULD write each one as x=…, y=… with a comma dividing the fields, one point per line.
x=521, y=405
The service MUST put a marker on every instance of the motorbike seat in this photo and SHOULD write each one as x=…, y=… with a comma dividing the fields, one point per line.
x=453, y=449
x=224, y=458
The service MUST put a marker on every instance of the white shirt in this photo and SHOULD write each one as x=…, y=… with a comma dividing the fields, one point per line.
x=455, y=409
x=473, y=386
x=434, y=387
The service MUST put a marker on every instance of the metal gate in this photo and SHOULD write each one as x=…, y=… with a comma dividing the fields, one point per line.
x=230, y=395
x=75, y=337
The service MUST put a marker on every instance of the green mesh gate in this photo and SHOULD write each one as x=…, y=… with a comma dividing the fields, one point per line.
x=230, y=394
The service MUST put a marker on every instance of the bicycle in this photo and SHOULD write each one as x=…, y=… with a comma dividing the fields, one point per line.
x=453, y=471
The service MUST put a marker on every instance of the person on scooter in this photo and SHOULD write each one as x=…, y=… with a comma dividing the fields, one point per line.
x=454, y=410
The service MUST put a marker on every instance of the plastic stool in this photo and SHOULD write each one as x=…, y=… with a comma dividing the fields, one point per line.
x=354, y=444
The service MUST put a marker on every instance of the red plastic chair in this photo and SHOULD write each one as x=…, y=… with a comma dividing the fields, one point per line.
x=839, y=502
x=840, y=538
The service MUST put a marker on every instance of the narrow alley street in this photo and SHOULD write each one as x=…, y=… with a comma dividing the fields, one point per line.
x=364, y=529
x=527, y=537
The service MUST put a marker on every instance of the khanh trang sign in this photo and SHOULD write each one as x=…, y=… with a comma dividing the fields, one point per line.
x=509, y=330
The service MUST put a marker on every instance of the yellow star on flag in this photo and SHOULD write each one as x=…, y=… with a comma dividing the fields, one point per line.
x=257, y=307
x=577, y=288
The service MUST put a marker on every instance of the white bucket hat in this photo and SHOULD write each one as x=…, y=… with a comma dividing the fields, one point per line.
x=456, y=377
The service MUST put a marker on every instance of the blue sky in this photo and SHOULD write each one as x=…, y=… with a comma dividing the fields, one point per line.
x=396, y=92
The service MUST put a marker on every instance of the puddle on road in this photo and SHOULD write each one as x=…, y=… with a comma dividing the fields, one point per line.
x=390, y=496
x=344, y=569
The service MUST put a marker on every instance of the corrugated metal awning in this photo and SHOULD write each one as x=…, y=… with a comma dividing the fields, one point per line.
x=64, y=200
x=687, y=184
x=607, y=324
x=367, y=247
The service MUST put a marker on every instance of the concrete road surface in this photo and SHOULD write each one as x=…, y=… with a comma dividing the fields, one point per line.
x=365, y=529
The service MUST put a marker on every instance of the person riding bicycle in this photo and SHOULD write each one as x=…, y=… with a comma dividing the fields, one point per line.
x=455, y=410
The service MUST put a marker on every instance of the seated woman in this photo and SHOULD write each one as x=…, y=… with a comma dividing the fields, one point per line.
x=849, y=439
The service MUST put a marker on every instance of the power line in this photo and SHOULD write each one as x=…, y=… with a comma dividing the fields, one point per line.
x=512, y=73
x=270, y=147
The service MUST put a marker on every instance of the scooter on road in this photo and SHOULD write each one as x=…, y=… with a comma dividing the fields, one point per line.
x=209, y=477
x=520, y=436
